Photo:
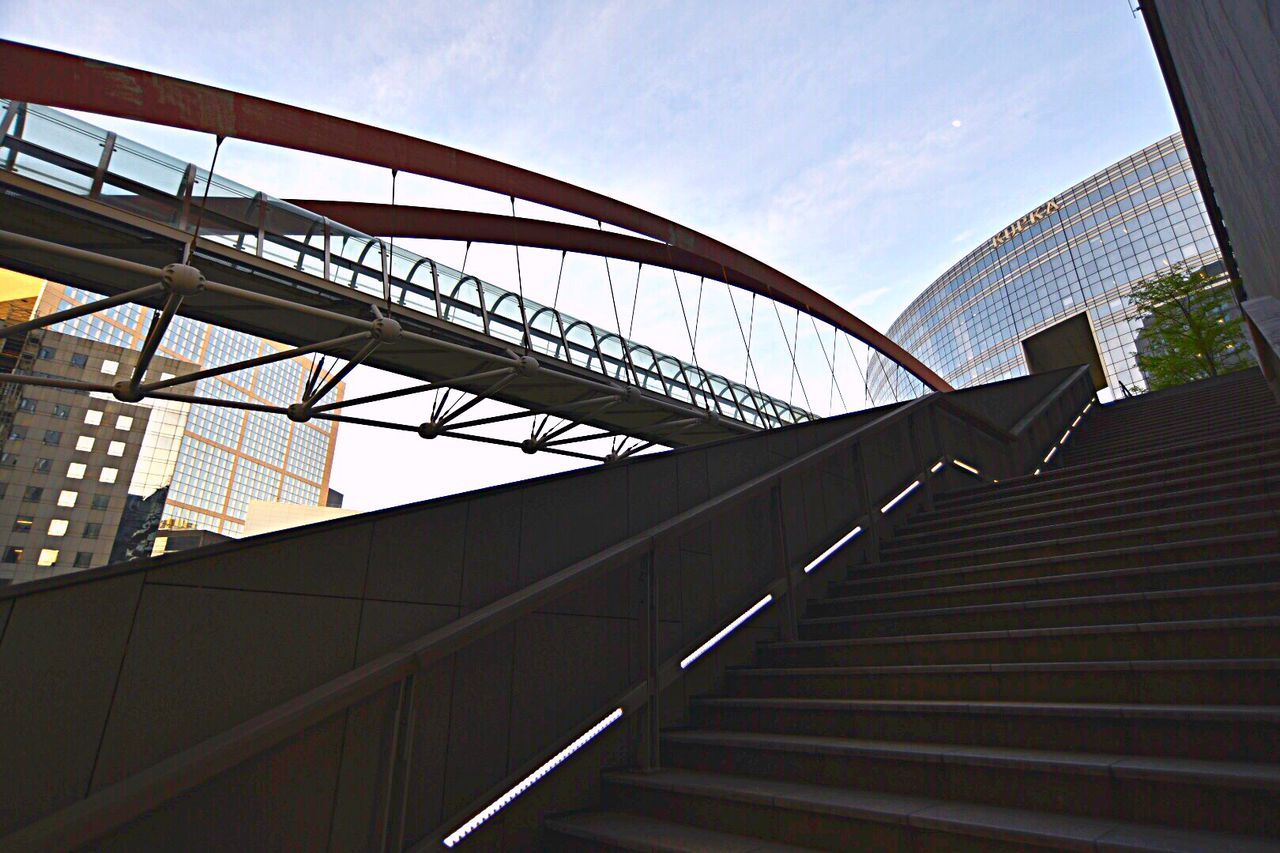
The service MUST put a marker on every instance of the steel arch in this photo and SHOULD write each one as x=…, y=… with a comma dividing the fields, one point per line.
x=68, y=81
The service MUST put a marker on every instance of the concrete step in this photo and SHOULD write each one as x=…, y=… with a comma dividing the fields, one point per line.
x=1249, y=380
x=1244, y=681
x=1206, y=459
x=1194, y=603
x=1223, y=732
x=616, y=830
x=1100, y=505
x=1221, y=796
x=851, y=599
x=1207, y=410
x=1037, y=528
x=1103, y=445
x=1250, y=636
x=831, y=818
x=1070, y=543
x=1235, y=551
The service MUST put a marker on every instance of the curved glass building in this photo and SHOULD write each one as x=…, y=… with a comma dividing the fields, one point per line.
x=1058, y=276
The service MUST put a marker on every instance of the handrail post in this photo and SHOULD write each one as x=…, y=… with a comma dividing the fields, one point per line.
x=921, y=462
x=790, y=633
x=650, y=758
x=398, y=767
x=871, y=542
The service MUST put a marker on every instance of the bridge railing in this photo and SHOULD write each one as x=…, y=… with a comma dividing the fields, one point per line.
x=61, y=151
x=424, y=734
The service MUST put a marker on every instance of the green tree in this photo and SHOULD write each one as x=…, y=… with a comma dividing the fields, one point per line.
x=1187, y=331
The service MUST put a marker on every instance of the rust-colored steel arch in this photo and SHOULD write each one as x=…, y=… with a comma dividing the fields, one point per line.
x=68, y=81
x=384, y=220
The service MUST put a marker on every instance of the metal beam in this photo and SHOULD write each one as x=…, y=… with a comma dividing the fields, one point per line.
x=74, y=82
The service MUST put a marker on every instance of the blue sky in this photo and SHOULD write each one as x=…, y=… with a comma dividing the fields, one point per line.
x=860, y=147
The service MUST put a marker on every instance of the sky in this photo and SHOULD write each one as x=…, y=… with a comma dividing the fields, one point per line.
x=862, y=148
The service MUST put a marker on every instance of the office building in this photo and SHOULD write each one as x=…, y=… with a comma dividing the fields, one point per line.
x=184, y=467
x=1052, y=288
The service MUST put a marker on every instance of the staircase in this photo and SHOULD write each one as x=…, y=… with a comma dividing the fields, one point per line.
x=1085, y=659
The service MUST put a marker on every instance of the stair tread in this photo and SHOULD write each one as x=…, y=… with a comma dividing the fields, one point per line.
x=1218, y=664
x=1133, y=533
x=1039, y=603
x=1183, y=770
x=1051, y=580
x=1069, y=479
x=1172, y=489
x=640, y=832
x=997, y=822
x=1031, y=531
x=1143, y=551
x=1259, y=435
x=1074, y=710
x=1223, y=623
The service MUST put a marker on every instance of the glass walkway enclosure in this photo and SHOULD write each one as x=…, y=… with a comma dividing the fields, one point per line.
x=45, y=149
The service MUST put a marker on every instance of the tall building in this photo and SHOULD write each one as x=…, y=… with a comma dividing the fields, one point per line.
x=173, y=466
x=1053, y=286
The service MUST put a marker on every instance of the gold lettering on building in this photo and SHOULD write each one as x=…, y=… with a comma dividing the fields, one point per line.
x=1024, y=223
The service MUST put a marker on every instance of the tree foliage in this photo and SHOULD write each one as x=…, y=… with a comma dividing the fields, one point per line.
x=1187, y=333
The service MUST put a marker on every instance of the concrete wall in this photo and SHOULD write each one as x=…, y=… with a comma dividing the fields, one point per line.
x=105, y=673
x=1226, y=54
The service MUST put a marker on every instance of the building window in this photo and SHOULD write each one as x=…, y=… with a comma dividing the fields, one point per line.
x=23, y=523
x=43, y=465
x=75, y=471
x=92, y=529
x=58, y=527
x=48, y=352
x=79, y=359
x=101, y=501
x=26, y=404
x=48, y=557
x=85, y=443
x=13, y=555
x=8, y=459
x=4, y=487
x=61, y=410
x=111, y=368
x=124, y=422
x=108, y=475
x=93, y=417
x=33, y=494
x=67, y=497
x=17, y=434
x=83, y=559
x=115, y=448
x=53, y=436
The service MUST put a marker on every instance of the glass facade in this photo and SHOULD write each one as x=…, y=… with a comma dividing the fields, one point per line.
x=1079, y=253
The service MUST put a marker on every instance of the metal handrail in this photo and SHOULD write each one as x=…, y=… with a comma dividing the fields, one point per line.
x=112, y=807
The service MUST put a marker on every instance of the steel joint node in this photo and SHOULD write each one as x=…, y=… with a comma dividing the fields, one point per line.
x=183, y=279
x=126, y=392
x=385, y=329
x=531, y=446
x=526, y=365
x=430, y=429
x=299, y=413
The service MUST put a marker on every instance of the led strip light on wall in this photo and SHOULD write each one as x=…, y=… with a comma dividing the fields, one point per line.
x=528, y=781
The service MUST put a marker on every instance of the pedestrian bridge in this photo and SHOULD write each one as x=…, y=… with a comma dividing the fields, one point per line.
x=93, y=209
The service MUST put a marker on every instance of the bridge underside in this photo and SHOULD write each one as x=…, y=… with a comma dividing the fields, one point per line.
x=439, y=352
